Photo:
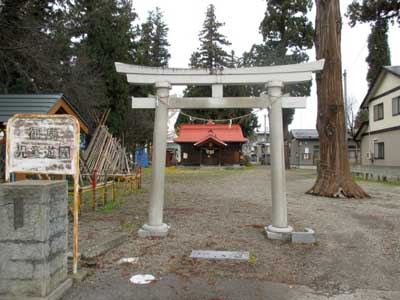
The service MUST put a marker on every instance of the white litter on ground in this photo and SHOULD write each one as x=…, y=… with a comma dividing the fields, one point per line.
x=142, y=279
x=211, y=254
x=128, y=260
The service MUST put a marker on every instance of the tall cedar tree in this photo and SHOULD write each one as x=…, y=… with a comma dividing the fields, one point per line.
x=334, y=177
x=212, y=56
x=372, y=10
x=152, y=50
x=378, y=50
x=378, y=14
x=287, y=34
x=105, y=34
x=30, y=47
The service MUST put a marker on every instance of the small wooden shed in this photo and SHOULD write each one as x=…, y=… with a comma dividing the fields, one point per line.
x=210, y=144
x=50, y=104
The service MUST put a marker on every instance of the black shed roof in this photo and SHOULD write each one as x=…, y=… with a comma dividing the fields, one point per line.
x=11, y=104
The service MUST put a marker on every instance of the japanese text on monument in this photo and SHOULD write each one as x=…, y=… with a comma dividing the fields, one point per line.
x=45, y=145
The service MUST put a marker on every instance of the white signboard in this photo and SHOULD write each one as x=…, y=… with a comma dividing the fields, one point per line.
x=47, y=144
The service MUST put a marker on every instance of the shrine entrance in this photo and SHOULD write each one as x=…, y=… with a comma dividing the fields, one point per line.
x=274, y=78
x=210, y=155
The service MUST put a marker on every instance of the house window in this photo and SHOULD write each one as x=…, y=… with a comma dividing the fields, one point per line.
x=396, y=106
x=306, y=156
x=378, y=112
x=379, y=150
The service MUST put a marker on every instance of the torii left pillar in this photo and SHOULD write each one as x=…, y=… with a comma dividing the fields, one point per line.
x=155, y=226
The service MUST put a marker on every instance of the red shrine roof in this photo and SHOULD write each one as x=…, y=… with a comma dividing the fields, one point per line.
x=219, y=133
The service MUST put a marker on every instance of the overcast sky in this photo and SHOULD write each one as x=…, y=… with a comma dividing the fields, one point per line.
x=242, y=20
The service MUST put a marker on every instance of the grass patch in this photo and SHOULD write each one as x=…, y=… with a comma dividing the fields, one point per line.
x=109, y=207
x=252, y=259
x=128, y=226
x=198, y=171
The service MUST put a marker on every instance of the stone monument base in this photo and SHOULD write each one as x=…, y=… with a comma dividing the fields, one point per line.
x=54, y=295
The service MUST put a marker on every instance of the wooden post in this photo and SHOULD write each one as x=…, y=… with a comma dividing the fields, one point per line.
x=113, y=190
x=105, y=190
x=140, y=177
x=94, y=190
x=131, y=184
x=80, y=199
x=75, y=226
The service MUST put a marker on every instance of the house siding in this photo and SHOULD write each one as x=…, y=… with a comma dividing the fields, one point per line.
x=298, y=148
x=391, y=139
x=386, y=130
x=389, y=82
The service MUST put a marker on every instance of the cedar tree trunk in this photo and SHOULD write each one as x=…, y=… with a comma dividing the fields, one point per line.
x=334, y=177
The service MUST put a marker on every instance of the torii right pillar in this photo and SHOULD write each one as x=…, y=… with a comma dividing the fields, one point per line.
x=279, y=229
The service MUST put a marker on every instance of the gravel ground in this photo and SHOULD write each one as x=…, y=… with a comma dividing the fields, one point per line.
x=358, y=240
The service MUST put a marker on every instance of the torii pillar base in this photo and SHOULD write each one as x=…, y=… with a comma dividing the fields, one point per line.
x=276, y=233
x=153, y=230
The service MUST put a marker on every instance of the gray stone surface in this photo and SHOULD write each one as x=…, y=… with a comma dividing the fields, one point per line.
x=172, y=287
x=306, y=237
x=212, y=254
x=33, y=259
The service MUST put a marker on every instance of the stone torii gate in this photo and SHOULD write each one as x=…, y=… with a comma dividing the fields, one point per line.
x=274, y=78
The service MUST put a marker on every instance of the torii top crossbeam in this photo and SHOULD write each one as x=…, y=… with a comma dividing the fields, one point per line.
x=287, y=74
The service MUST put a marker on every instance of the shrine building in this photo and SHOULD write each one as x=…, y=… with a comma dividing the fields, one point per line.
x=210, y=144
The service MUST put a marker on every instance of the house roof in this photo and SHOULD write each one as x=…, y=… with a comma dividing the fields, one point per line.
x=211, y=136
x=363, y=128
x=194, y=133
x=305, y=134
x=395, y=70
x=12, y=104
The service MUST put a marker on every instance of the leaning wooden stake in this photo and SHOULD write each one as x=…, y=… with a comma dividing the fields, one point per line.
x=334, y=177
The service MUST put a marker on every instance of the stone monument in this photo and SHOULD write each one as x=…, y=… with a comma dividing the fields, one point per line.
x=33, y=240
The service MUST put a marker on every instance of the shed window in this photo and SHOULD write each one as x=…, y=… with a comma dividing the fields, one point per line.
x=379, y=150
x=378, y=112
x=396, y=106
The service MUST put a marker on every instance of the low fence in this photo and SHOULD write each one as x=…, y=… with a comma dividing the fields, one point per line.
x=119, y=182
x=373, y=172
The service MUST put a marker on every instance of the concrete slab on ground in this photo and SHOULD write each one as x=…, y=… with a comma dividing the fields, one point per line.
x=174, y=287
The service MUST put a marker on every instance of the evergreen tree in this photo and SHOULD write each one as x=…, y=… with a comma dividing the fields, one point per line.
x=212, y=55
x=378, y=14
x=334, y=177
x=287, y=34
x=372, y=10
x=378, y=50
x=159, y=46
x=143, y=53
x=152, y=50
x=105, y=35
x=31, y=46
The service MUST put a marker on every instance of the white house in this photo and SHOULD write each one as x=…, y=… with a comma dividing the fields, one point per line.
x=380, y=136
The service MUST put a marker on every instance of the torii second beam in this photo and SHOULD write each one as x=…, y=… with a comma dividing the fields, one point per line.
x=213, y=102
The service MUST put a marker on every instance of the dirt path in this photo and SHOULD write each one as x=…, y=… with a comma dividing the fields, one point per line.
x=358, y=240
